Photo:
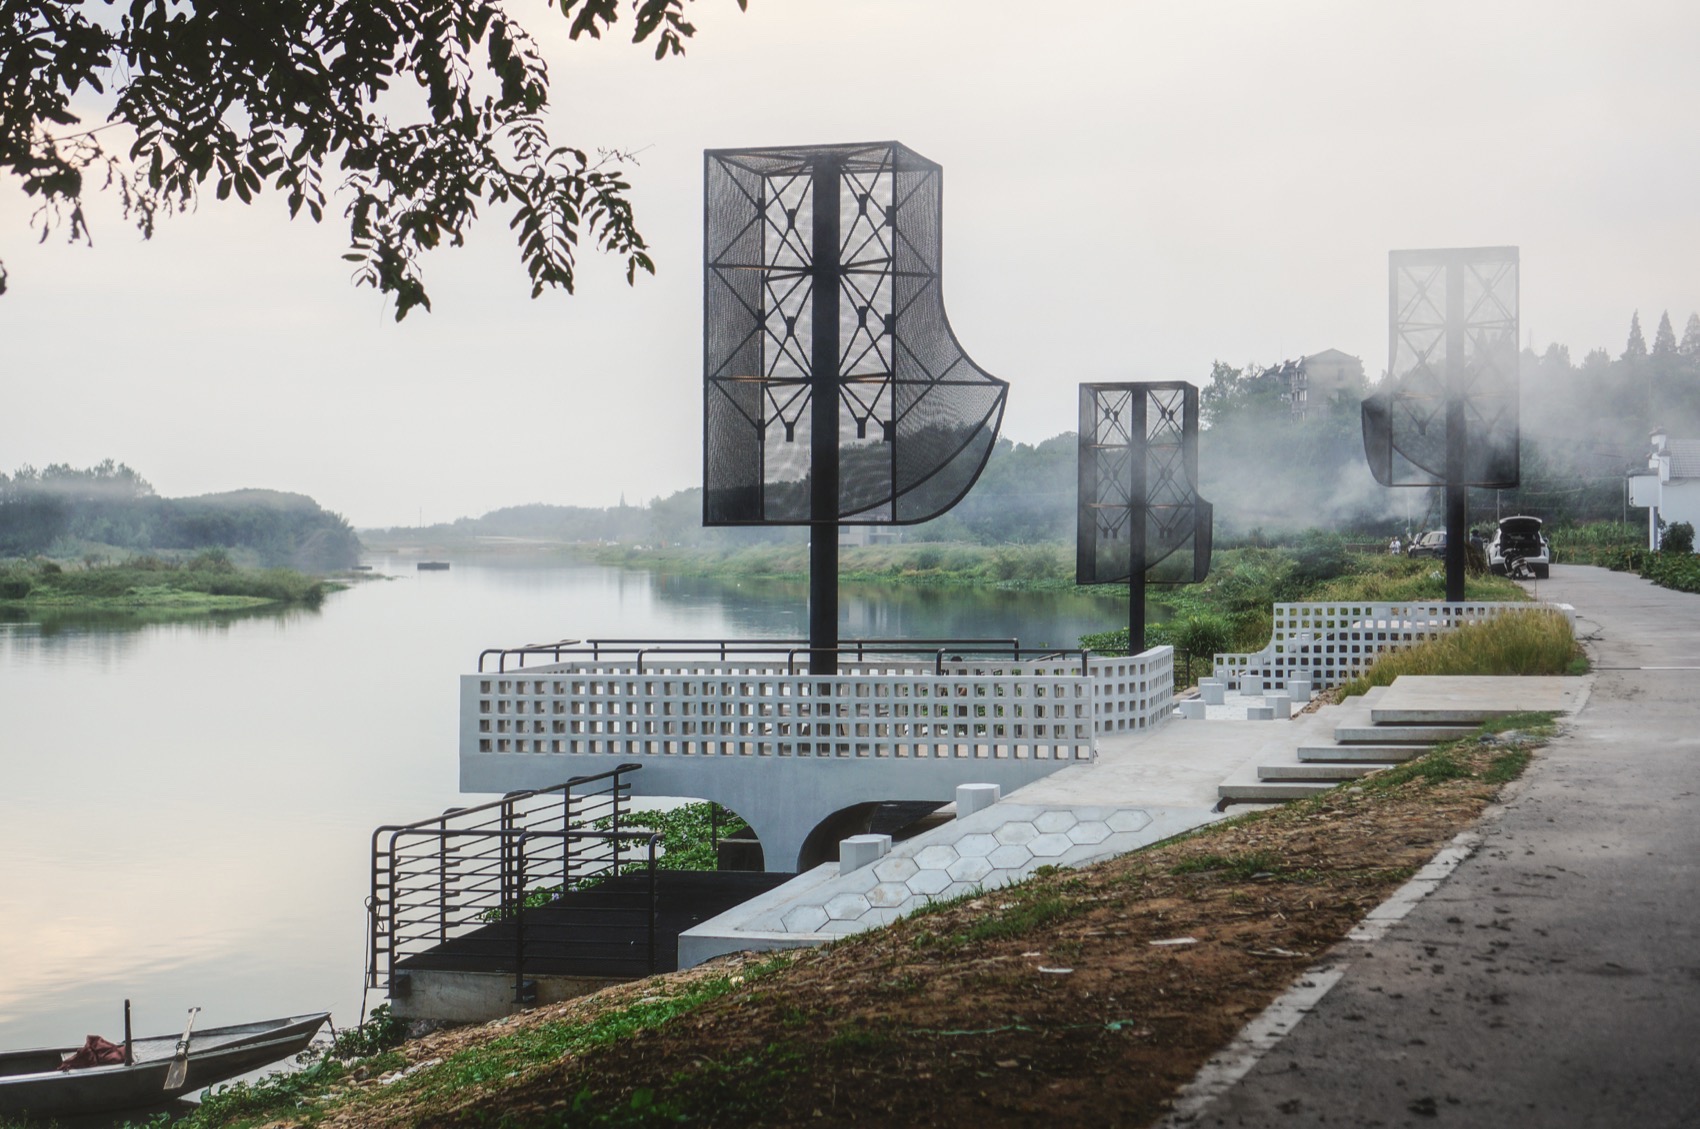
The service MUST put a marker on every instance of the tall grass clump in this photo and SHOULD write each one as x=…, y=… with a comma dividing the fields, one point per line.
x=1536, y=641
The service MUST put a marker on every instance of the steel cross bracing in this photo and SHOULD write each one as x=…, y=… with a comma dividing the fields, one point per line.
x=1453, y=349
x=1138, y=491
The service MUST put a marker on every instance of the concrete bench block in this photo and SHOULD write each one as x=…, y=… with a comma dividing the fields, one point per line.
x=1260, y=713
x=861, y=850
x=1192, y=709
x=1212, y=693
x=1299, y=688
x=971, y=798
x=1282, y=704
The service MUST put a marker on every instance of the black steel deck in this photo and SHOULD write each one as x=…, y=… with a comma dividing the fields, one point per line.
x=603, y=931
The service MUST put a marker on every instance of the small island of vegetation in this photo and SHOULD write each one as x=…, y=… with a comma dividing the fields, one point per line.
x=101, y=540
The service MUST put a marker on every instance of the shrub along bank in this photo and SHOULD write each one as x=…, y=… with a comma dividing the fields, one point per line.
x=1622, y=548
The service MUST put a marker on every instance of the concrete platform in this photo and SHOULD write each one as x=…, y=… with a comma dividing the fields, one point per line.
x=1454, y=699
x=1265, y=791
x=1357, y=754
x=1314, y=771
x=1400, y=734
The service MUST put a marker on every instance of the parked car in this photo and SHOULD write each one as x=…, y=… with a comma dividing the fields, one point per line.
x=1519, y=548
x=1430, y=544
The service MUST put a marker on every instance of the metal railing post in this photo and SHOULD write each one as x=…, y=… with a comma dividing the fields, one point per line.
x=443, y=880
x=654, y=903
x=519, y=920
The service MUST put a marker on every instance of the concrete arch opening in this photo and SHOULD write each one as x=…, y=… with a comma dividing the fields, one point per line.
x=901, y=819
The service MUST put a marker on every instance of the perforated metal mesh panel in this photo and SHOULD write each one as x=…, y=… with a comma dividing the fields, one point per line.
x=1139, y=472
x=1452, y=362
x=916, y=417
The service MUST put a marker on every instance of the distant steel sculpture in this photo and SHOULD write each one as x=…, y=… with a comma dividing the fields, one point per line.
x=835, y=390
x=1447, y=413
x=1140, y=517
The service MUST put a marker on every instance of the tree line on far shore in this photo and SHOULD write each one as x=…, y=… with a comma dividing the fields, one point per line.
x=61, y=510
x=1266, y=470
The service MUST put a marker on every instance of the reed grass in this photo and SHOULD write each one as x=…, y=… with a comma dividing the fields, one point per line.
x=1533, y=641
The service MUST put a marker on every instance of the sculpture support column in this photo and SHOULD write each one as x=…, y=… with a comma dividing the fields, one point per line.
x=823, y=424
x=1457, y=438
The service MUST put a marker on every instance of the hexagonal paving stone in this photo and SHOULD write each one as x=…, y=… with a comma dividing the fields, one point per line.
x=1134, y=820
x=1013, y=833
x=888, y=894
x=852, y=925
x=936, y=857
x=847, y=907
x=1012, y=857
x=1049, y=846
x=805, y=919
x=1092, y=831
x=895, y=869
x=858, y=881
x=971, y=845
x=969, y=870
x=1051, y=822
x=928, y=882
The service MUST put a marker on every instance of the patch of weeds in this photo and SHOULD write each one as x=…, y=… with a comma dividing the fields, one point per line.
x=747, y=1088
x=1032, y=910
x=549, y=1042
x=1238, y=868
x=1535, y=724
x=380, y=1032
x=1507, y=766
x=1431, y=768
x=933, y=906
x=272, y=1095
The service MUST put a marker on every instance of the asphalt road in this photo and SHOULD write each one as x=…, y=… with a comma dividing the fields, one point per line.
x=1554, y=979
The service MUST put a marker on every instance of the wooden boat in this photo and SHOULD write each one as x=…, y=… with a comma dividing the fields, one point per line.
x=432, y=566
x=32, y=1084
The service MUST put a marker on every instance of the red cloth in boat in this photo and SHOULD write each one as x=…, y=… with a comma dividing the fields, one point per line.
x=94, y=1052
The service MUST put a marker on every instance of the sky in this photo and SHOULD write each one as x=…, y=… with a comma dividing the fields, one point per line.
x=1131, y=191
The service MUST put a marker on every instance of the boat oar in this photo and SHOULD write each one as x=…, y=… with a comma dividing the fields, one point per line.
x=180, y=1061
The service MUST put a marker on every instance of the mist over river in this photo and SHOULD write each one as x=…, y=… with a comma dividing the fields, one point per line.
x=186, y=809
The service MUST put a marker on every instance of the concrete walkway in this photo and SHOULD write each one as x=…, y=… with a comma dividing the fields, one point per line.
x=1554, y=979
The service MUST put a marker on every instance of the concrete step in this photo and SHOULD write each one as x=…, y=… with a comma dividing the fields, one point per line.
x=1272, y=791
x=1401, y=734
x=1361, y=754
x=1315, y=772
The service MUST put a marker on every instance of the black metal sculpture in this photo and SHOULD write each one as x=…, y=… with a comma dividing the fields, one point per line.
x=835, y=390
x=1447, y=413
x=1139, y=509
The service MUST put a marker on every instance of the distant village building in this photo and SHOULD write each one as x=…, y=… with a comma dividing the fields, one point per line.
x=1670, y=486
x=1314, y=381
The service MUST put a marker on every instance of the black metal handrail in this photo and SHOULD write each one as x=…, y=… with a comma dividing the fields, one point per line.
x=439, y=878
x=940, y=651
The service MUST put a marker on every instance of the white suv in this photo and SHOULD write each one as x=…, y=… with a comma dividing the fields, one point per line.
x=1519, y=548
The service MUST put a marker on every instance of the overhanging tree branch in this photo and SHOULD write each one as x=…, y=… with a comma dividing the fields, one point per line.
x=247, y=95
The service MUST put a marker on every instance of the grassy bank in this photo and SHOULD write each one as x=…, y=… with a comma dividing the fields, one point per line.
x=205, y=583
x=1076, y=997
x=1536, y=641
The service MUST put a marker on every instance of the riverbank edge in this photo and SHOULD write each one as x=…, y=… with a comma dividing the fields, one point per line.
x=1274, y=889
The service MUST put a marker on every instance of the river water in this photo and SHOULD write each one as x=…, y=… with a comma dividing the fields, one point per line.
x=186, y=809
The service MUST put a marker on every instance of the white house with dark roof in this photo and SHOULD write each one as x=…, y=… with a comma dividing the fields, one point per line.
x=1670, y=486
